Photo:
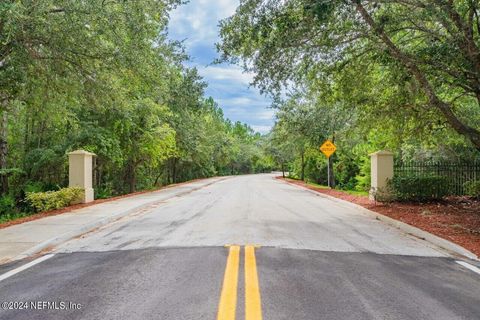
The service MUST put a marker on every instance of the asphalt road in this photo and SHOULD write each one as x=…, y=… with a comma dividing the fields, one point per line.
x=190, y=257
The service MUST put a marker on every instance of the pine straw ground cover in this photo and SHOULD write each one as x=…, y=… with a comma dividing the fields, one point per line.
x=456, y=219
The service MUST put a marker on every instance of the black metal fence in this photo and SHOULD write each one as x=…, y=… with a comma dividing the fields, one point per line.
x=455, y=173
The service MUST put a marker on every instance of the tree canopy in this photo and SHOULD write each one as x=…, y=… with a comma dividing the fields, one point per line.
x=428, y=49
x=103, y=76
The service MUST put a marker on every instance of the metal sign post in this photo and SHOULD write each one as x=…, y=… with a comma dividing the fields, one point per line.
x=328, y=171
x=328, y=148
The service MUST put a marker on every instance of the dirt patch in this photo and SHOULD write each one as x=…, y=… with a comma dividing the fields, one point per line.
x=456, y=219
x=41, y=215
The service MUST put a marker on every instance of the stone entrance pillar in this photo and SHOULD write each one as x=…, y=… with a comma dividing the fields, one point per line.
x=80, y=172
x=382, y=171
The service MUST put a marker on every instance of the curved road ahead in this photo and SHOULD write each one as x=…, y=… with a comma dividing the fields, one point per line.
x=244, y=247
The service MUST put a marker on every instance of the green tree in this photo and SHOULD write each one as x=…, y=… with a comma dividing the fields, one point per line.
x=432, y=44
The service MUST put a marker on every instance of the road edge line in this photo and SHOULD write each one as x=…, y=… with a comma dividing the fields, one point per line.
x=468, y=266
x=24, y=267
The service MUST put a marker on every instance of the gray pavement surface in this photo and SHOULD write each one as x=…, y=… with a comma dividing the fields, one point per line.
x=185, y=283
x=19, y=241
x=254, y=209
x=317, y=260
x=133, y=284
x=299, y=284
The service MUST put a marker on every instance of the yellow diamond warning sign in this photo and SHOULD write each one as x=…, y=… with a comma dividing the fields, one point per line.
x=328, y=148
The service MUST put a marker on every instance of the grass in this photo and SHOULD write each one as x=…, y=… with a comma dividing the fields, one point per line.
x=320, y=186
x=13, y=216
x=356, y=192
x=351, y=192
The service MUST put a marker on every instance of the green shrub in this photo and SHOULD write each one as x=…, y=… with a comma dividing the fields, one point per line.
x=472, y=188
x=7, y=204
x=345, y=170
x=104, y=191
x=33, y=186
x=50, y=200
x=386, y=194
x=419, y=188
x=364, y=175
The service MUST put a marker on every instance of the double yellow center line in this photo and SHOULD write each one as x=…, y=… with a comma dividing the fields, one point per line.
x=228, y=299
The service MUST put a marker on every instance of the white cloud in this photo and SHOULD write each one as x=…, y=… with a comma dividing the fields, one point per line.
x=267, y=114
x=245, y=101
x=261, y=129
x=197, y=24
x=198, y=20
x=238, y=101
x=226, y=73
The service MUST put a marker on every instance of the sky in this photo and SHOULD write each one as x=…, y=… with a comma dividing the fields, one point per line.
x=196, y=23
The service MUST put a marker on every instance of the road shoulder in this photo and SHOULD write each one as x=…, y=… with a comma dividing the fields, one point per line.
x=27, y=239
x=453, y=248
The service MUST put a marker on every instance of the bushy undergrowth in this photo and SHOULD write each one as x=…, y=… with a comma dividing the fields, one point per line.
x=472, y=188
x=7, y=205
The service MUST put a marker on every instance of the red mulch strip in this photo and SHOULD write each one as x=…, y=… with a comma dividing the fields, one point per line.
x=41, y=215
x=456, y=219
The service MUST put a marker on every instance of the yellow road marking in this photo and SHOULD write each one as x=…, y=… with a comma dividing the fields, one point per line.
x=253, y=304
x=228, y=298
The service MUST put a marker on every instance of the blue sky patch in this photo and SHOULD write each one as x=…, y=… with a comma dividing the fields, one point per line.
x=196, y=23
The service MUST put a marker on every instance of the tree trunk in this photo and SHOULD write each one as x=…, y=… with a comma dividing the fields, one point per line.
x=331, y=176
x=132, y=177
x=466, y=40
x=174, y=170
x=283, y=170
x=95, y=172
x=4, y=151
x=100, y=176
x=156, y=179
x=302, y=173
x=167, y=170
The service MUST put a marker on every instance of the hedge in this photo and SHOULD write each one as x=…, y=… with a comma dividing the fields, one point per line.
x=50, y=200
x=419, y=188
